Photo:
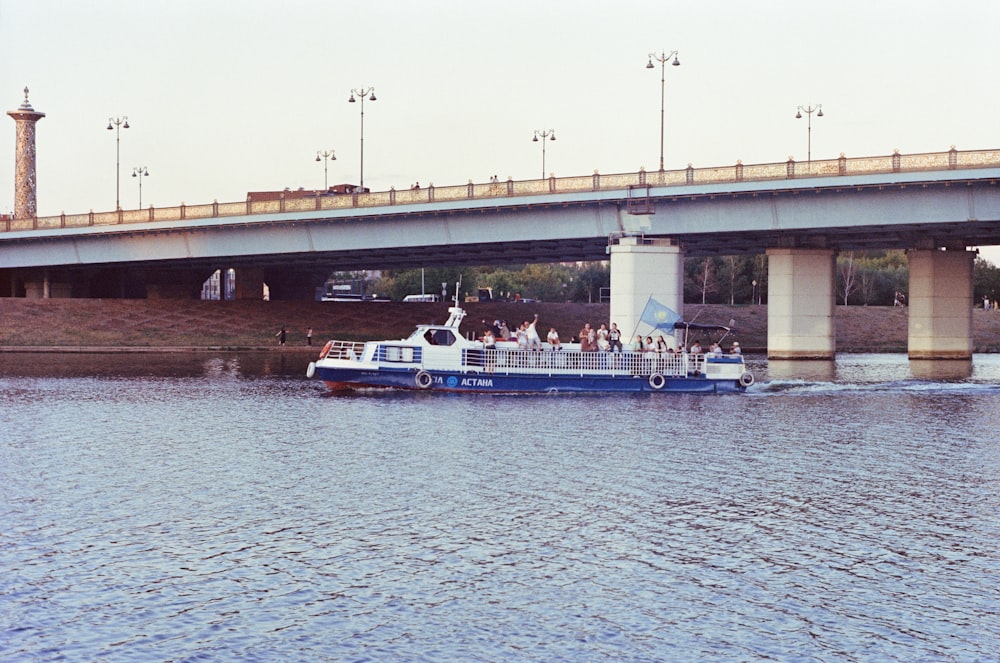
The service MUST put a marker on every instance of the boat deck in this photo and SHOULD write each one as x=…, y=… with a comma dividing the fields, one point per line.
x=542, y=362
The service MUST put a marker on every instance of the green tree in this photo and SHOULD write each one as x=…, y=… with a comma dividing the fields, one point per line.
x=985, y=281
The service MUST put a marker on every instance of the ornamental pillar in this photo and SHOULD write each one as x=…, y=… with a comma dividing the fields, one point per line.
x=25, y=185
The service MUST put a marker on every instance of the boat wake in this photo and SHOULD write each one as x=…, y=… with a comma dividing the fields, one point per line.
x=807, y=387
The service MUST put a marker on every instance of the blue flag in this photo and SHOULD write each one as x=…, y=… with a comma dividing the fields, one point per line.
x=658, y=316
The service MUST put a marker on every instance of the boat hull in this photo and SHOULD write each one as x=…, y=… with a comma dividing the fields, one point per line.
x=338, y=379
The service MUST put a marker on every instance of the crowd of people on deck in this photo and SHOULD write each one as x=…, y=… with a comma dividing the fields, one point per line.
x=602, y=339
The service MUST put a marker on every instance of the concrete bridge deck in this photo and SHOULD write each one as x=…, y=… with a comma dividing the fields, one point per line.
x=895, y=201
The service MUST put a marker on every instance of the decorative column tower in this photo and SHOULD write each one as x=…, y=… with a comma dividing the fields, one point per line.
x=25, y=202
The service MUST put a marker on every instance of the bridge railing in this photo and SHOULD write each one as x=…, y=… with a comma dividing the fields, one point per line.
x=951, y=160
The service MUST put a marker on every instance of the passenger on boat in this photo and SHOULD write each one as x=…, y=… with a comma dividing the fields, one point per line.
x=588, y=339
x=504, y=330
x=534, y=341
x=735, y=350
x=638, y=345
x=489, y=343
x=715, y=349
x=522, y=336
x=553, y=339
x=495, y=327
x=602, y=338
x=661, y=344
x=695, y=348
x=615, y=338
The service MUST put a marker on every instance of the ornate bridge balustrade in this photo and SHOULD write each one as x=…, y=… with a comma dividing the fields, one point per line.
x=935, y=161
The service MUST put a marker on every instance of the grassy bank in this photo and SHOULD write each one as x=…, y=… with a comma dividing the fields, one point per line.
x=146, y=323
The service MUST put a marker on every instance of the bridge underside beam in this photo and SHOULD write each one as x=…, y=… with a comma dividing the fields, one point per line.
x=940, y=312
x=801, y=294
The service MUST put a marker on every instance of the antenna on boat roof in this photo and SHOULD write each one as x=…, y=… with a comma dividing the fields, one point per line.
x=458, y=288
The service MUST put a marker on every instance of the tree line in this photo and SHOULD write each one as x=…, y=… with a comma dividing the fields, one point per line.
x=864, y=278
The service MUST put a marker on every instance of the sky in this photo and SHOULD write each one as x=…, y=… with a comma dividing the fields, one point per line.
x=229, y=96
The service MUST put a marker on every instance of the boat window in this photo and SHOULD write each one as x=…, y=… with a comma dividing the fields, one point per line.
x=440, y=337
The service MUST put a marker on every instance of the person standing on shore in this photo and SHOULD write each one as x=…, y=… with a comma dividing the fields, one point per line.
x=309, y=336
x=281, y=336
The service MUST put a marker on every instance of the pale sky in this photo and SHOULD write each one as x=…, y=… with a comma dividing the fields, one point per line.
x=229, y=96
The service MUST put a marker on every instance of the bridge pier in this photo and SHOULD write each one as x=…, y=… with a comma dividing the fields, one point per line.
x=940, y=311
x=249, y=284
x=293, y=285
x=801, y=296
x=42, y=284
x=642, y=268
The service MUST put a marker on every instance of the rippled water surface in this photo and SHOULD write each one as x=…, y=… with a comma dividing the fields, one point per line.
x=224, y=508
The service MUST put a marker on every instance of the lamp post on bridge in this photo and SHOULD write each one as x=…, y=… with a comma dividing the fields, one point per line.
x=118, y=123
x=551, y=135
x=140, y=172
x=809, y=110
x=663, y=58
x=362, y=92
x=325, y=155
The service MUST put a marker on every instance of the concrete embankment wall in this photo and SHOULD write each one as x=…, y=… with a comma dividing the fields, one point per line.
x=144, y=323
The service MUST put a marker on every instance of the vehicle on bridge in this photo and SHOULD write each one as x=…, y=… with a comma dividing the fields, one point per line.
x=295, y=194
x=348, y=292
x=482, y=295
x=438, y=358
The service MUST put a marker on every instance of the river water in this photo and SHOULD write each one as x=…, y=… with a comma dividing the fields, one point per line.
x=222, y=507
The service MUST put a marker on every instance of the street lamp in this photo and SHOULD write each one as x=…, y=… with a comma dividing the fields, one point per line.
x=118, y=123
x=551, y=135
x=140, y=172
x=362, y=93
x=662, y=58
x=325, y=155
x=809, y=110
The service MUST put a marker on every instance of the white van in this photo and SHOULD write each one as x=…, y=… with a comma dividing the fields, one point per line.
x=422, y=298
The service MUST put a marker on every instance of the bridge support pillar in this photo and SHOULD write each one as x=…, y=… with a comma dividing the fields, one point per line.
x=249, y=284
x=940, y=309
x=642, y=268
x=801, y=296
x=44, y=285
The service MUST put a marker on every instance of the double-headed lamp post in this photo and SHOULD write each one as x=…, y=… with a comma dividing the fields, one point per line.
x=663, y=58
x=324, y=155
x=118, y=123
x=551, y=135
x=140, y=172
x=362, y=92
x=809, y=110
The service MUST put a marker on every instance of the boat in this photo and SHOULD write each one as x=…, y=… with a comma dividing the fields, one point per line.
x=437, y=357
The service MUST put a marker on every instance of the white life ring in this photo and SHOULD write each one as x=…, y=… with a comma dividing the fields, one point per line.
x=657, y=381
x=423, y=379
x=326, y=348
x=746, y=379
x=311, y=369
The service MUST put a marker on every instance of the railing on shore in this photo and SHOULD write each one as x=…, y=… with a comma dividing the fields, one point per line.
x=895, y=163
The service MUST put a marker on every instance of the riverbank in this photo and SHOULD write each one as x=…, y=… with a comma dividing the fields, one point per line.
x=137, y=325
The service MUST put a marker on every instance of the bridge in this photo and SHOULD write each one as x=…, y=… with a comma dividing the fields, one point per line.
x=800, y=214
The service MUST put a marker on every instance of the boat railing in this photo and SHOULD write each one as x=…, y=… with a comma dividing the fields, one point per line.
x=548, y=362
x=351, y=350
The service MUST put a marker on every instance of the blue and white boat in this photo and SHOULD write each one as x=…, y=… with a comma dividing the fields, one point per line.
x=439, y=358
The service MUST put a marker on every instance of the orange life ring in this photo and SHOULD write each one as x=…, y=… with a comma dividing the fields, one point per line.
x=326, y=348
